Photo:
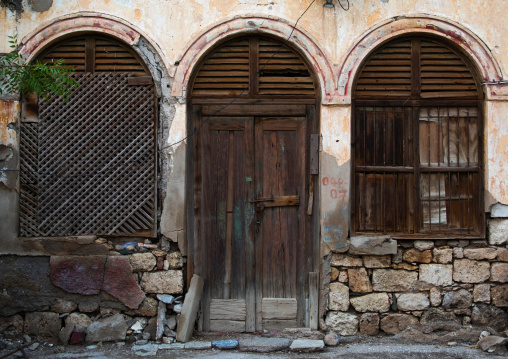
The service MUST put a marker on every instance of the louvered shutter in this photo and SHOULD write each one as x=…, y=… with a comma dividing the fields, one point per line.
x=253, y=66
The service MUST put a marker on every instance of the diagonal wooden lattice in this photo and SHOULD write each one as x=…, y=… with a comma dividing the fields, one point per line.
x=101, y=146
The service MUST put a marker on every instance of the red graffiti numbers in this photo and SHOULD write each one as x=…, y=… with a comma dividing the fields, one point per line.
x=336, y=182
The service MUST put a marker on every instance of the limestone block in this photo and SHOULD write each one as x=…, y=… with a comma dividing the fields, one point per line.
x=442, y=255
x=342, y=323
x=498, y=232
x=435, y=297
x=343, y=278
x=436, y=274
x=499, y=295
x=375, y=302
x=263, y=345
x=369, y=324
x=499, y=211
x=390, y=280
x=338, y=298
x=334, y=274
x=373, y=245
x=415, y=256
x=499, y=272
x=169, y=282
x=481, y=293
x=480, y=253
x=412, y=301
x=469, y=271
x=42, y=324
x=423, y=245
x=175, y=260
x=142, y=262
x=502, y=254
x=306, y=345
x=460, y=299
x=458, y=252
x=343, y=260
x=395, y=323
x=377, y=261
x=80, y=321
x=108, y=329
x=359, y=281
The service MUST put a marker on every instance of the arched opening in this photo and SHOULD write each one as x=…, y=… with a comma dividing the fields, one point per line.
x=88, y=165
x=417, y=142
x=251, y=206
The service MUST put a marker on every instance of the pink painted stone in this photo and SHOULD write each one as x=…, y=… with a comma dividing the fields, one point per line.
x=120, y=283
x=82, y=275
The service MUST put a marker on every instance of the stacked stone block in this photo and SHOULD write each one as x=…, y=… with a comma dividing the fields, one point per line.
x=422, y=281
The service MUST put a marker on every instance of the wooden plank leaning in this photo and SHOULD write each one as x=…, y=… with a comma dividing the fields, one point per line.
x=189, y=309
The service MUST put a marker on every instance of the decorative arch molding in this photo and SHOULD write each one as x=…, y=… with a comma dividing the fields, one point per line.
x=280, y=28
x=478, y=52
x=36, y=40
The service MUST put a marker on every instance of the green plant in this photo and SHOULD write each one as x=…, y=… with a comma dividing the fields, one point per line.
x=19, y=76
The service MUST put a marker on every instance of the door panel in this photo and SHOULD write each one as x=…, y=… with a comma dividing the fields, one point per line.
x=252, y=221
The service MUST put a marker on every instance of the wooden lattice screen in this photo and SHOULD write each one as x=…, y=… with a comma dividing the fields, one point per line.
x=95, y=161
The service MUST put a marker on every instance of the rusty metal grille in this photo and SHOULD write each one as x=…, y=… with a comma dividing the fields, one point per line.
x=95, y=161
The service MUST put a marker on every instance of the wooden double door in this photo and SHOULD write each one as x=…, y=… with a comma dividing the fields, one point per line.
x=253, y=216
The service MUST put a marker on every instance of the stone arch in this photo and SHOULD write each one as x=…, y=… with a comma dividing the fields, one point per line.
x=279, y=28
x=478, y=52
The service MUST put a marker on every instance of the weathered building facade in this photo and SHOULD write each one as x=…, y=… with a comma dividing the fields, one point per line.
x=322, y=168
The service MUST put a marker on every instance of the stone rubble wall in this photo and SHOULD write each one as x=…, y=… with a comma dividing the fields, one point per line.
x=132, y=294
x=462, y=282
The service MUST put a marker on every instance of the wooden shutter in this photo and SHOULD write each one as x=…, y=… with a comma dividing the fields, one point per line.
x=417, y=142
x=416, y=68
x=92, y=53
x=253, y=66
x=387, y=72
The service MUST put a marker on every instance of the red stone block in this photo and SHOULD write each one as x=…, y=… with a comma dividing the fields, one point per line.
x=120, y=283
x=82, y=275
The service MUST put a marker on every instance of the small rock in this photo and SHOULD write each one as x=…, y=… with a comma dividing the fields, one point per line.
x=423, y=245
x=458, y=252
x=442, y=255
x=175, y=260
x=137, y=327
x=342, y=323
x=141, y=342
x=481, y=293
x=338, y=297
x=343, y=278
x=331, y=339
x=460, y=299
x=147, y=308
x=177, y=308
x=166, y=298
x=435, y=297
x=499, y=295
x=195, y=345
x=171, y=322
x=369, y=324
x=225, y=344
x=377, y=261
x=64, y=306
x=334, y=274
x=492, y=340
x=396, y=323
x=359, y=281
x=499, y=272
x=343, y=260
x=452, y=344
x=306, y=345
x=413, y=301
x=415, y=256
x=167, y=340
x=484, y=334
x=112, y=328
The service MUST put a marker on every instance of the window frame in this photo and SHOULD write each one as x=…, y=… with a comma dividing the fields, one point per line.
x=416, y=102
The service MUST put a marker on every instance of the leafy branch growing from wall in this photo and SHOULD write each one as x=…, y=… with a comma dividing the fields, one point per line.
x=43, y=79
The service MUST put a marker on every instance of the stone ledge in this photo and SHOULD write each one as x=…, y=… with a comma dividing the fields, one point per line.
x=373, y=245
